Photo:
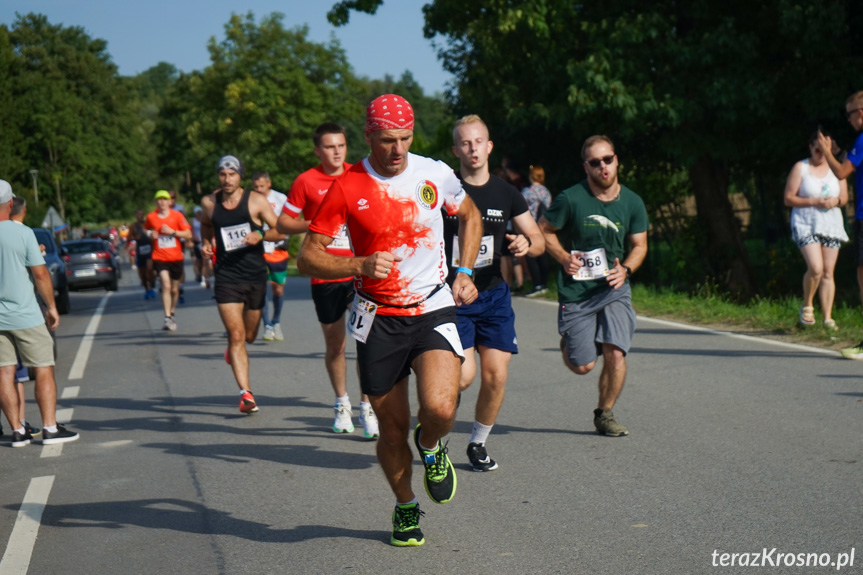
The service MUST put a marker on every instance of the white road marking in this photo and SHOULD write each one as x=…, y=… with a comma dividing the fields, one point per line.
x=53, y=450
x=70, y=392
x=80, y=363
x=16, y=560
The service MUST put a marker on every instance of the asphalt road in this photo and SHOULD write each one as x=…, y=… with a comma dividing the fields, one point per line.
x=737, y=445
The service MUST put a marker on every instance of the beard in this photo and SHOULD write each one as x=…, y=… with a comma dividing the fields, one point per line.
x=603, y=183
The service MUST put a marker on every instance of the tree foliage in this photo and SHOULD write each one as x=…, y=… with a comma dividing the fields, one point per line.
x=262, y=96
x=72, y=118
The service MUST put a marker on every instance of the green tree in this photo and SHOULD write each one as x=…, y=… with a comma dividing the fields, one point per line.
x=727, y=91
x=74, y=120
x=261, y=98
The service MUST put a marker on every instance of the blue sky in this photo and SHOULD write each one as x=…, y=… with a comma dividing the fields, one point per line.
x=141, y=34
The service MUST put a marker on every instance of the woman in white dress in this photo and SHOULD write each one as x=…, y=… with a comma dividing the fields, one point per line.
x=816, y=197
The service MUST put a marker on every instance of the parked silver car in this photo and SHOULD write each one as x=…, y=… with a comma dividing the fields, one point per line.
x=90, y=263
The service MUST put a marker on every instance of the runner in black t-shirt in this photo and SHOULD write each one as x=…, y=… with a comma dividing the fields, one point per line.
x=488, y=324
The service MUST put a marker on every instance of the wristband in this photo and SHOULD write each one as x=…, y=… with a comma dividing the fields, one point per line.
x=628, y=271
x=463, y=270
x=260, y=232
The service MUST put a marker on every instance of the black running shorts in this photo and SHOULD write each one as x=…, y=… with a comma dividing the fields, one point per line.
x=253, y=296
x=332, y=299
x=174, y=269
x=394, y=342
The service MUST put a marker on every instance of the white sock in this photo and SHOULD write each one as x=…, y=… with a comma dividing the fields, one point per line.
x=343, y=400
x=424, y=448
x=242, y=391
x=365, y=404
x=49, y=428
x=480, y=433
x=21, y=431
x=411, y=502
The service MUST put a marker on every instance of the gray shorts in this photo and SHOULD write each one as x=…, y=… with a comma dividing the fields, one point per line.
x=33, y=344
x=607, y=317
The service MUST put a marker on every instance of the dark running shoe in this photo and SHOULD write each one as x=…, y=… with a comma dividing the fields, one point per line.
x=439, y=479
x=406, y=526
x=62, y=435
x=21, y=439
x=30, y=429
x=606, y=423
x=479, y=459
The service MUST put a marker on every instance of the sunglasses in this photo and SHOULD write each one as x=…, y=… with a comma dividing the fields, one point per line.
x=852, y=112
x=596, y=162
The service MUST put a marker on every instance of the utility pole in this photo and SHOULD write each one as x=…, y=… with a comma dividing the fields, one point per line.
x=35, y=173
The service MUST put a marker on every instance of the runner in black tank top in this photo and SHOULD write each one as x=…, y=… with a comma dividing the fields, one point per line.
x=237, y=264
x=236, y=236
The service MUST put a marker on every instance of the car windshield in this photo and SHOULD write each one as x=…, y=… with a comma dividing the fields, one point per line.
x=83, y=247
x=44, y=238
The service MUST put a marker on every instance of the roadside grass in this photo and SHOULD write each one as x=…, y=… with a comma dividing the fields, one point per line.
x=773, y=318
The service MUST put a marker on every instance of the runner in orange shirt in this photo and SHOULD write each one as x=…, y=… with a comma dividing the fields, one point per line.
x=166, y=227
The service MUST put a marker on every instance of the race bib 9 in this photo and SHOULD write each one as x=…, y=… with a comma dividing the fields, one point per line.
x=594, y=265
x=484, y=257
x=233, y=237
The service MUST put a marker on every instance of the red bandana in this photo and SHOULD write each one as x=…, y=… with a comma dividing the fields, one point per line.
x=389, y=112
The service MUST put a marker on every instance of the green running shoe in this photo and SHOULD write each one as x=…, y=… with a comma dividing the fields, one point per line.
x=606, y=424
x=406, y=526
x=853, y=352
x=440, y=481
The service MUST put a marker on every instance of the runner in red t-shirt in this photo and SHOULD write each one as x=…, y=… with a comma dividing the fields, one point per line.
x=331, y=297
x=166, y=227
x=403, y=315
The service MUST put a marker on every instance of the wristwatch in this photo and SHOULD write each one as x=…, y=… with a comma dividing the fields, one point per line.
x=628, y=271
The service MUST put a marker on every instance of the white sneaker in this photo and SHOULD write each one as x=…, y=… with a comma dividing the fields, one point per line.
x=277, y=332
x=269, y=334
x=204, y=284
x=369, y=421
x=343, y=423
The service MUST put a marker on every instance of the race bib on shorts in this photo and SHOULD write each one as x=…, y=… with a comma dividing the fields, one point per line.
x=269, y=247
x=594, y=265
x=167, y=242
x=144, y=250
x=361, y=318
x=484, y=257
x=234, y=236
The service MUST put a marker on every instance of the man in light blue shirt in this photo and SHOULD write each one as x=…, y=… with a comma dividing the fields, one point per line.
x=23, y=327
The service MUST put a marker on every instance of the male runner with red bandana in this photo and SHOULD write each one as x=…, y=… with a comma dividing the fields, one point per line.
x=403, y=315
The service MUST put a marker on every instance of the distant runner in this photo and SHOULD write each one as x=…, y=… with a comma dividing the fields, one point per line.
x=167, y=227
x=276, y=255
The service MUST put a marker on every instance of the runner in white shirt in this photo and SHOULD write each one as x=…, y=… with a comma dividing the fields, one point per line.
x=276, y=256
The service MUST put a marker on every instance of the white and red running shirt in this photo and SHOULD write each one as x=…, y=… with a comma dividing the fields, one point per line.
x=305, y=196
x=400, y=215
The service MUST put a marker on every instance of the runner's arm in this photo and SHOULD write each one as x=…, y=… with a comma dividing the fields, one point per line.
x=633, y=260
x=469, y=237
x=534, y=244
x=288, y=224
x=568, y=261
x=314, y=260
x=207, y=247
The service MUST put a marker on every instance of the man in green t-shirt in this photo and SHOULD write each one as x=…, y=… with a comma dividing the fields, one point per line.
x=585, y=231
